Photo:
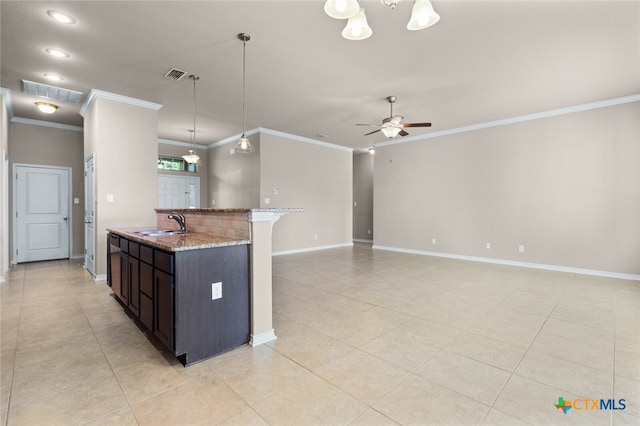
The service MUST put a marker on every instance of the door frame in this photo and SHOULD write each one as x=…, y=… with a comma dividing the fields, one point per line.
x=14, y=209
x=89, y=200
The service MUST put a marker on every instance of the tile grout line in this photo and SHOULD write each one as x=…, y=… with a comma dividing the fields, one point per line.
x=15, y=351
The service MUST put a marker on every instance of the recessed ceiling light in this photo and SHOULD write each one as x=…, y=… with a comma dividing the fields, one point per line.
x=52, y=77
x=57, y=52
x=47, y=108
x=61, y=17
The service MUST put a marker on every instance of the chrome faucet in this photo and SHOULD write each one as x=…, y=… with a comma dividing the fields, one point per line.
x=180, y=219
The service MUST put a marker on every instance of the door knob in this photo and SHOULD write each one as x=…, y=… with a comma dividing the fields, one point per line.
x=65, y=218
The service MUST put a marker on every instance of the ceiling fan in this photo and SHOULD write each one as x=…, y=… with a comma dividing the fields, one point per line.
x=392, y=126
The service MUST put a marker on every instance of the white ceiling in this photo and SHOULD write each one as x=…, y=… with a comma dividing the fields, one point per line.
x=484, y=61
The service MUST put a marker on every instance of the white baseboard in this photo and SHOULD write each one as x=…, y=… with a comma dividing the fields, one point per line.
x=360, y=240
x=262, y=338
x=100, y=277
x=304, y=250
x=2, y=280
x=557, y=268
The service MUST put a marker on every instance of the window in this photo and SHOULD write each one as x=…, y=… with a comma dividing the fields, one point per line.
x=176, y=163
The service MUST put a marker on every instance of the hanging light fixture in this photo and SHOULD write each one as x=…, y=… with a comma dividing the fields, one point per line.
x=357, y=27
x=192, y=157
x=244, y=145
x=422, y=16
x=341, y=9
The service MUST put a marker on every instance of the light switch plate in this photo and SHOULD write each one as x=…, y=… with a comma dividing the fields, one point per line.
x=216, y=290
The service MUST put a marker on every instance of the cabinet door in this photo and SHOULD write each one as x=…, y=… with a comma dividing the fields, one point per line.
x=163, y=307
x=134, y=285
x=124, y=279
x=146, y=279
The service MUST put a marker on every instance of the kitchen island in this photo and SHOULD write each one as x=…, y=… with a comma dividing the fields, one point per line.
x=200, y=292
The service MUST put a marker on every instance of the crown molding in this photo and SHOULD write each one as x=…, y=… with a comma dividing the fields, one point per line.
x=304, y=139
x=95, y=94
x=6, y=94
x=180, y=143
x=519, y=119
x=233, y=138
x=271, y=132
x=32, y=122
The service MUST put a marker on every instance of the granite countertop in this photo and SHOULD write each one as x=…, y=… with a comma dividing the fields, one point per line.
x=179, y=242
x=232, y=210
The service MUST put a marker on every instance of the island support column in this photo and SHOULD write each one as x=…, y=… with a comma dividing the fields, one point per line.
x=261, y=277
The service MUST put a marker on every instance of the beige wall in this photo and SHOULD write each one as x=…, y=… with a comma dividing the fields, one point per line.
x=234, y=180
x=565, y=187
x=124, y=140
x=179, y=151
x=49, y=146
x=4, y=148
x=317, y=178
x=363, y=197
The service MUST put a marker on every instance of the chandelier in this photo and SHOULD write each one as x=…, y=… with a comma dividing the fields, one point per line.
x=422, y=16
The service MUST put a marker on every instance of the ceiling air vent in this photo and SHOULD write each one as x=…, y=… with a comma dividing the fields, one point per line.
x=175, y=74
x=51, y=92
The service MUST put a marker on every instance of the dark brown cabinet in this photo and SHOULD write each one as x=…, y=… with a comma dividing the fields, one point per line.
x=163, y=308
x=172, y=294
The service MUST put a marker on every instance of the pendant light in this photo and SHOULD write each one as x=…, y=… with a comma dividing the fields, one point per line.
x=192, y=157
x=244, y=145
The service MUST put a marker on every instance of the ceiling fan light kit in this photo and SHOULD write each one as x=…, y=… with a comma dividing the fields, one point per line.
x=393, y=126
x=422, y=16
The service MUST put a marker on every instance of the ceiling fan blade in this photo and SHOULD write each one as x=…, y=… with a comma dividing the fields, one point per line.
x=403, y=133
x=416, y=125
x=376, y=125
x=370, y=133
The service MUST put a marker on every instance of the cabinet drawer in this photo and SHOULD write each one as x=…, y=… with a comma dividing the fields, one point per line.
x=163, y=261
x=134, y=249
x=146, y=254
x=124, y=245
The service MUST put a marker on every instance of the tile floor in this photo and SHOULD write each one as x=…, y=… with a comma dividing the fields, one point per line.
x=365, y=337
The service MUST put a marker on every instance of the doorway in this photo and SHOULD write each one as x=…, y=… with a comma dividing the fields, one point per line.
x=41, y=212
x=178, y=192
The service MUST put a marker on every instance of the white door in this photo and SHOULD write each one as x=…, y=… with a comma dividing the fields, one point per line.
x=42, y=222
x=178, y=192
x=89, y=217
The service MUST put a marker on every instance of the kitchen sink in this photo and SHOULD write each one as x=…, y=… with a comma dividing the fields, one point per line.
x=159, y=232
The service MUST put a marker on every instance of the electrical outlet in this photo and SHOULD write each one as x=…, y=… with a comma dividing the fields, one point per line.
x=487, y=245
x=369, y=231
x=216, y=290
x=267, y=201
x=434, y=241
x=109, y=198
x=521, y=248
x=315, y=236
x=275, y=191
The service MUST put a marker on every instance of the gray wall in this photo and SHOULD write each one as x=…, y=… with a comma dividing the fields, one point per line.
x=49, y=146
x=317, y=178
x=234, y=180
x=363, y=197
x=565, y=187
